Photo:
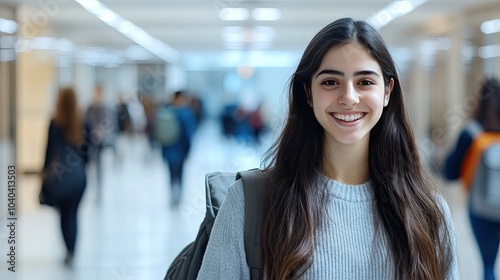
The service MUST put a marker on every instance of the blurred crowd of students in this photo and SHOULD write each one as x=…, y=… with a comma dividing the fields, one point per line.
x=168, y=125
x=77, y=140
x=242, y=123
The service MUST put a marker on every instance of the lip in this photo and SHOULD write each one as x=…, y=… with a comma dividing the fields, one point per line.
x=348, y=124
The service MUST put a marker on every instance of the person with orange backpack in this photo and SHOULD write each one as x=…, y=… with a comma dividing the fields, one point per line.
x=475, y=160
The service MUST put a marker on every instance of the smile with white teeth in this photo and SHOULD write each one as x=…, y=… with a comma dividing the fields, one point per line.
x=348, y=118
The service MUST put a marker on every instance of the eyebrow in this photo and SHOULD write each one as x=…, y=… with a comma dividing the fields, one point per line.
x=339, y=73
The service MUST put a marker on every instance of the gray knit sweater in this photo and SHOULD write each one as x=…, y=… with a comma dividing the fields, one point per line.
x=350, y=245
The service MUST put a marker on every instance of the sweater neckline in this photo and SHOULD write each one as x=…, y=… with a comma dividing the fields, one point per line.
x=351, y=193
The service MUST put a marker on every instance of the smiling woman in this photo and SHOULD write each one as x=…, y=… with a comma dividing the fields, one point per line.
x=347, y=94
x=347, y=196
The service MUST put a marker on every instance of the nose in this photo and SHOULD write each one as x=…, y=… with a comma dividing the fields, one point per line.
x=349, y=96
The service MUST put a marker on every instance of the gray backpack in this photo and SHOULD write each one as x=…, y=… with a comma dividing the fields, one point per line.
x=485, y=192
x=167, y=128
x=485, y=184
x=188, y=263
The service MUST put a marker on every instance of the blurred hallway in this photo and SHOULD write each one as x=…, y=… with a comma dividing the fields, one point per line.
x=136, y=49
x=135, y=234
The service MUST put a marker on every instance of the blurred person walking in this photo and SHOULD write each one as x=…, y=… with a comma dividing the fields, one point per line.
x=175, y=124
x=149, y=110
x=464, y=161
x=123, y=116
x=102, y=121
x=64, y=176
x=123, y=125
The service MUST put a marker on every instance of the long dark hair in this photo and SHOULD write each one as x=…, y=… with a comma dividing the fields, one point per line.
x=67, y=116
x=405, y=197
x=488, y=111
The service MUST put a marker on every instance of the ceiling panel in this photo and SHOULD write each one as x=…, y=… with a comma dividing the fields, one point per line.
x=194, y=26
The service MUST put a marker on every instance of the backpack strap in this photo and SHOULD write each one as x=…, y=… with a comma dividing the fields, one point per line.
x=254, y=181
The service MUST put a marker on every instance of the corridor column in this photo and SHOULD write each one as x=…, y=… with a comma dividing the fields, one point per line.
x=456, y=80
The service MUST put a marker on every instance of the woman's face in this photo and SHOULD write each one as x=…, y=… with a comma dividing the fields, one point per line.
x=348, y=94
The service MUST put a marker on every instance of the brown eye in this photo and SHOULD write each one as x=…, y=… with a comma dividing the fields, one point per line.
x=366, y=83
x=330, y=83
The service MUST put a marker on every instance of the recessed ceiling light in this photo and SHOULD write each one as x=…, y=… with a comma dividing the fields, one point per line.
x=234, y=14
x=392, y=11
x=266, y=14
x=8, y=26
x=490, y=51
x=490, y=26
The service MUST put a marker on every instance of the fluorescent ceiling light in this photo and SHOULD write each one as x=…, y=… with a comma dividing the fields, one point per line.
x=392, y=11
x=490, y=51
x=108, y=16
x=8, y=26
x=490, y=26
x=234, y=14
x=42, y=43
x=91, y=5
x=401, y=7
x=64, y=45
x=130, y=30
x=60, y=45
x=266, y=14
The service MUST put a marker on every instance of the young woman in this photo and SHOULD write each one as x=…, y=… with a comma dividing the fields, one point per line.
x=486, y=118
x=347, y=196
x=65, y=160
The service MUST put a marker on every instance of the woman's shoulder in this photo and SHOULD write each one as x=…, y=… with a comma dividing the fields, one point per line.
x=235, y=194
x=443, y=205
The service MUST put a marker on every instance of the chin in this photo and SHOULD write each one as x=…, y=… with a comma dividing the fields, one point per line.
x=354, y=139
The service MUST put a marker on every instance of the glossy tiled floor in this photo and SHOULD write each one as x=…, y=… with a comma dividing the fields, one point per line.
x=134, y=233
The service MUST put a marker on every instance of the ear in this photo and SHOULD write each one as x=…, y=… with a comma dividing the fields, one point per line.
x=308, y=95
x=388, y=90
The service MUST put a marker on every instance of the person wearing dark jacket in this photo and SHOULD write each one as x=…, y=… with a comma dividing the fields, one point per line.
x=66, y=157
x=176, y=153
x=102, y=122
x=486, y=118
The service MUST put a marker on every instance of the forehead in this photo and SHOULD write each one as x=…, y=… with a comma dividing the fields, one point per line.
x=349, y=57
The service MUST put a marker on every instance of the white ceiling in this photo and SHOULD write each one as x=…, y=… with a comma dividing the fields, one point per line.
x=193, y=26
